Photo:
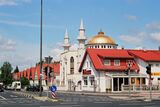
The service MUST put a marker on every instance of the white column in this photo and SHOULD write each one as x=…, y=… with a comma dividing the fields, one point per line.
x=140, y=84
x=112, y=83
x=118, y=84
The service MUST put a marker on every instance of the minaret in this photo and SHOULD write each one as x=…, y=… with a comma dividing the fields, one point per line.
x=66, y=44
x=81, y=37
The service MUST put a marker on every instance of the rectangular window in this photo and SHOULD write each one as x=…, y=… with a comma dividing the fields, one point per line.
x=92, y=80
x=157, y=65
x=107, y=62
x=85, y=80
x=117, y=62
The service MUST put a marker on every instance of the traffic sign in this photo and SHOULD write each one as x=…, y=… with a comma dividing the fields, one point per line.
x=53, y=88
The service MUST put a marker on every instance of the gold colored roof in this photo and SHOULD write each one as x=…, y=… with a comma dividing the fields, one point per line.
x=101, y=39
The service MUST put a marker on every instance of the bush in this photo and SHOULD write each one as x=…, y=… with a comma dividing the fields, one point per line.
x=24, y=82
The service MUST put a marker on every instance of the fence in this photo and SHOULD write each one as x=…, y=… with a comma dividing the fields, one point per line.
x=136, y=88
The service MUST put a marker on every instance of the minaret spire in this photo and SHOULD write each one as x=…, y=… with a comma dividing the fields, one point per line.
x=66, y=44
x=81, y=25
x=81, y=37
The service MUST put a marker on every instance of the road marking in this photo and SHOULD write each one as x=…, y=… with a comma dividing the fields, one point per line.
x=13, y=96
x=138, y=104
x=102, y=102
x=69, y=103
x=3, y=98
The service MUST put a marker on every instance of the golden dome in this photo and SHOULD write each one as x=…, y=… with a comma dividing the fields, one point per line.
x=101, y=39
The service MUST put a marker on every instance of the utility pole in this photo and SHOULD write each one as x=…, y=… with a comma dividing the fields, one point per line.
x=40, y=94
x=129, y=76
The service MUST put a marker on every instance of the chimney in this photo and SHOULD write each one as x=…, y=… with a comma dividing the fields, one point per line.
x=122, y=47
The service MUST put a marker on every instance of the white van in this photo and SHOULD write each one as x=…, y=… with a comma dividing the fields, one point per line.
x=16, y=85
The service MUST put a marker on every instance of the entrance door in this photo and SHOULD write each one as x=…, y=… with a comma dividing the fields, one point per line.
x=115, y=84
x=120, y=83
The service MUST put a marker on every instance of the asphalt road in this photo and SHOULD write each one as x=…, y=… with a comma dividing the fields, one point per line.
x=8, y=99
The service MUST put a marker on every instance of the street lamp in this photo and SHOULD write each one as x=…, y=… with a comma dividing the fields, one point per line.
x=129, y=76
x=40, y=94
x=48, y=60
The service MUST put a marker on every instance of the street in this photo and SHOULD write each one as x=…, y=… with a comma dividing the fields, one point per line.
x=8, y=99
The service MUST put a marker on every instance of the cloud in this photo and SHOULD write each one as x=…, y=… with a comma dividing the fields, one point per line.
x=74, y=47
x=11, y=22
x=56, y=53
x=28, y=24
x=131, y=17
x=8, y=2
x=13, y=2
x=155, y=36
x=135, y=39
x=153, y=26
x=7, y=44
x=5, y=14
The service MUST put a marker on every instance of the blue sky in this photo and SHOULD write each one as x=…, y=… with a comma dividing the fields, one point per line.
x=131, y=23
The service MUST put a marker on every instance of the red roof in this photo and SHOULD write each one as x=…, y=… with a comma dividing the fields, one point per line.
x=56, y=67
x=146, y=55
x=98, y=55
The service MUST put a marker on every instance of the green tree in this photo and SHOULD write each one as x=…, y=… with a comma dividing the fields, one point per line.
x=16, y=69
x=6, y=75
x=24, y=81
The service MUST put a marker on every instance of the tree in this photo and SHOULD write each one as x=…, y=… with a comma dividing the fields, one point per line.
x=24, y=81
x=6, y=75
x=16, y=69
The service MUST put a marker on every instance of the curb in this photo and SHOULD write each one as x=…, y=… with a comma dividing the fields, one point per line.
x=38, y=98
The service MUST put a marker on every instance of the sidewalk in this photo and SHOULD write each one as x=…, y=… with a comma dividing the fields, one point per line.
x=120, y=95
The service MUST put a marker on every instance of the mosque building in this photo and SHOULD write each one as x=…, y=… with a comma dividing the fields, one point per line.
x=100, y=66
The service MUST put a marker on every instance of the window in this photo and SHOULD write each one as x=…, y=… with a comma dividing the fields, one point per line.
x=90, y=64
x=107, y=62
x=92, y=81
x=87, y=64
x=85, y=80
x=104, y=46
x=72, y=65
x=117, y=62
x=157, y=65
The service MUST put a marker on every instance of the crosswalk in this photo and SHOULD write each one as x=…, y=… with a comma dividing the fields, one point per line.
x=83, y=98
x=12, y=101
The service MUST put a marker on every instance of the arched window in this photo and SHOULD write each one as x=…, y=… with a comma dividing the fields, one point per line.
x=72, y=65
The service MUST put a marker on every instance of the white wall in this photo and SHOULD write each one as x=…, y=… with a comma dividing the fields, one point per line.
x=99, y=77
x=142, y=65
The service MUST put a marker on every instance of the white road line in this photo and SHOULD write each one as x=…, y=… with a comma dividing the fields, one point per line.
x=102, y=102
x=3, y=98
x=69, y=103
x=13, y=96
x=145, y=104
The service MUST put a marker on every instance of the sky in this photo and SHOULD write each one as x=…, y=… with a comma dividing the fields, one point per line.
x=132, y=24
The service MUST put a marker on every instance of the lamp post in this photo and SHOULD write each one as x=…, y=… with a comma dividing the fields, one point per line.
x=48, y=60
x=40, y=94
x=129, y=79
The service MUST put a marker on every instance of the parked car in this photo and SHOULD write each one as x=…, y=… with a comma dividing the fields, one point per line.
x=1, y=88
x=16, y=85
x=9, y=87
x=34, y=88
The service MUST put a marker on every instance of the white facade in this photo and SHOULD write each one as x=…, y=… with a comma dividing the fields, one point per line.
x=155, y=69
x=70, y=78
